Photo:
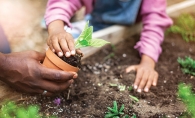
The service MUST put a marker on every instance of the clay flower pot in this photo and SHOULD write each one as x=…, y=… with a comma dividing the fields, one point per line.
x=53, y=61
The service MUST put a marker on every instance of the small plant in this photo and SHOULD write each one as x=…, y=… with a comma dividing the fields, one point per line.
x=85, y=38
x=188, y=97
x=134, y=98
x=188, y=65
x=184, y=26
x=11, y=110
x=115, y=113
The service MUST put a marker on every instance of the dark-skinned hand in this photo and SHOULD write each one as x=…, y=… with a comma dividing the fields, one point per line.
x=24, y=72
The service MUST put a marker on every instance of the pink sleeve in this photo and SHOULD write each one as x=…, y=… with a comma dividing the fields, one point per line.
x=155, y=21
x=61, y=10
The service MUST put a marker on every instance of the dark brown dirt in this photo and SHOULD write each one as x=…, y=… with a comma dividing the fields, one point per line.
x=73, y=60
x=91, y=93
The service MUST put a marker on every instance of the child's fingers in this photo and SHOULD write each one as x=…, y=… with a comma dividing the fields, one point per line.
x=56, y=46
x=64, y=46
x=70, y=42
x=143, y=80
x=138, y=78
x=149, y=82
x=130, y=68
x=78, y=51
x=154, y=83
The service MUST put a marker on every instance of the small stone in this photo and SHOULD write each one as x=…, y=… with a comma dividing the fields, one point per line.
x=124, y=55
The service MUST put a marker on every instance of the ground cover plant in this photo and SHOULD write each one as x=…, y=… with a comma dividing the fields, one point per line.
x=187, y=65
x=184, y=25
x=12, y=110
x=188, y=97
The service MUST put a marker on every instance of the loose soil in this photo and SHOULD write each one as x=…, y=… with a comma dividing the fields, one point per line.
x=73, y=60
x=91, y=93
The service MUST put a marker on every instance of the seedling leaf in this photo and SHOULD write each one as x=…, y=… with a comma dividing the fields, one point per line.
x=85, y=38
x=134, y=98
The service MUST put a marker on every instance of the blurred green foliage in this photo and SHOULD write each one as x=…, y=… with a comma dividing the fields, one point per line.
x=185, y=26
x=187, y=65
x=188, y=97
x=11, y=110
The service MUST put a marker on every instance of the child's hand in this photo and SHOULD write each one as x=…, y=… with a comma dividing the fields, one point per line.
x=146, y=76
x=59, y=40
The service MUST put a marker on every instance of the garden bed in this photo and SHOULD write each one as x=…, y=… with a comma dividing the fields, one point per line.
x=92, y=92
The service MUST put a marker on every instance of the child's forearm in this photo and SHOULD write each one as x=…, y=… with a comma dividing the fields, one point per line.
x=146, y=60
x=57, y=25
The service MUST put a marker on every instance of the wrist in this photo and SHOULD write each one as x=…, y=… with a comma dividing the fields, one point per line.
x=56, y=26
x=146, y=60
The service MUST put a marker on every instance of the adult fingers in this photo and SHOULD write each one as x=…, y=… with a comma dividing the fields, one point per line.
x=54, y=87
x=143, y=80
x=56, y=46
x=37, y=55
x=70, y=41
x=56, y=75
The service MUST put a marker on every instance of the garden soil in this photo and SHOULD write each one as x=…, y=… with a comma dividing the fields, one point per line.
x=93, y=91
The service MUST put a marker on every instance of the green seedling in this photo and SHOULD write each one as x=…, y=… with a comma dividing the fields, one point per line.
x=85, y=38
x=121, y=87
x=11, y=110
x=184, y=26
x=130, y=88
x=134, y=98
x=188, y=97
x=109, y=56
x=187, y=65
x=113, y=85
x=114, y=112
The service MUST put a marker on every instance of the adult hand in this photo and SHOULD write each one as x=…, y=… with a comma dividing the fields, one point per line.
x=59, y=40
x=146, y=75
x=24, y=72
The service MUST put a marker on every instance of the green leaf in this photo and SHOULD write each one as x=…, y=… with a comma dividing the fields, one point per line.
x=85, y=38
x=122, y=108
x=134, y=98
x=97, y=42
x=110, y=115
x=112, y=110
x=115, y=107
x=134, y=116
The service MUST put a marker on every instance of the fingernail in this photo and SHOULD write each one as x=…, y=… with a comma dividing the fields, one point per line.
x=135, y=86
x=154, y=84
x=146, y=89
x=71, y=81
x=60, y=54
x=139, y=90
x=75, y=76
x=67, y=54
x=73, y=52
x=53, y=50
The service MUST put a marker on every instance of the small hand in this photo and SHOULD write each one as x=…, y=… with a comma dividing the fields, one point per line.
x=146, y=76
x=59, y=40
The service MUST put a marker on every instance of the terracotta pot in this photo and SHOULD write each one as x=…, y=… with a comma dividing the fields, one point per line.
x=53, y=61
